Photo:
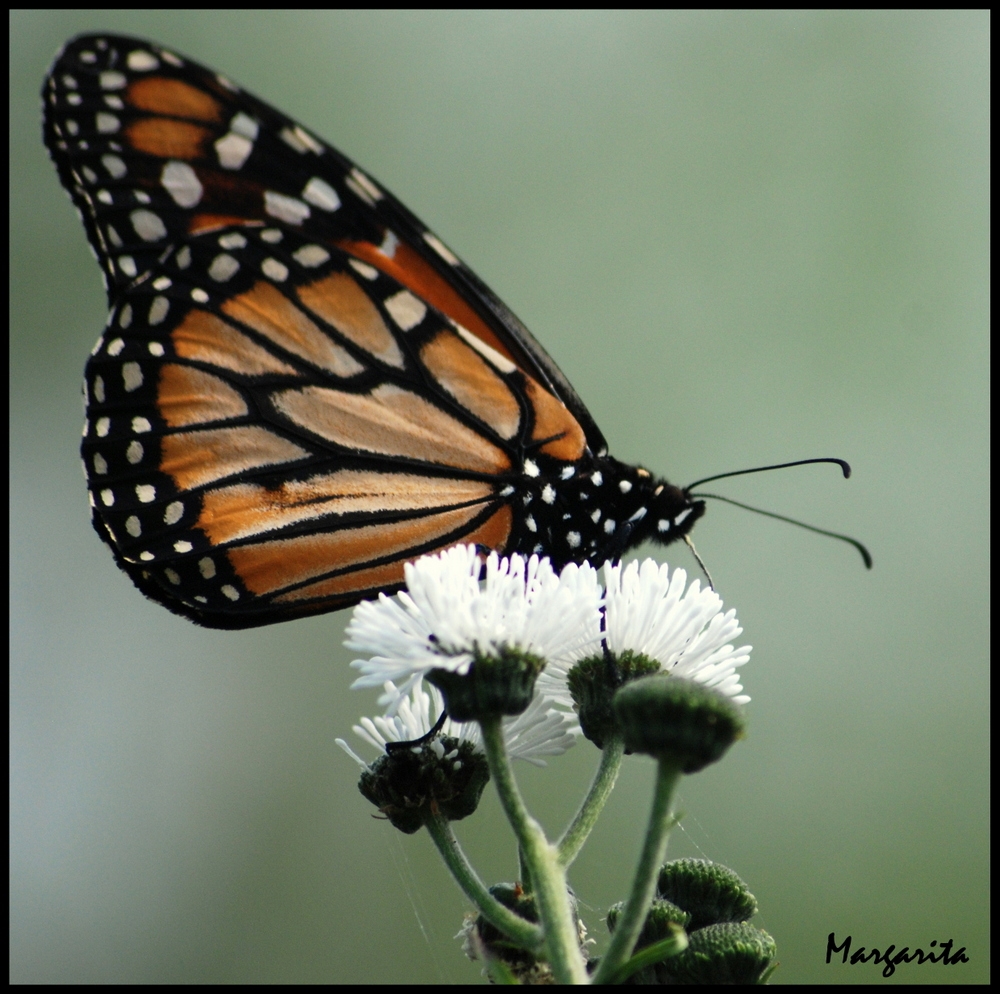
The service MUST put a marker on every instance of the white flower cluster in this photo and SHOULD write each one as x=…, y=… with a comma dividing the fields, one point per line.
x=541, y=730
x=447, y=614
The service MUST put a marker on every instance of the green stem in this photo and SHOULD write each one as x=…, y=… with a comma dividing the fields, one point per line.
x=547, y=876
x=524, y=933
x=653, y=850
x=604, y=781
x=653, y=955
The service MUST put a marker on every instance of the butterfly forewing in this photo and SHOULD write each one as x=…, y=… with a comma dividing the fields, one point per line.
x=300, y=387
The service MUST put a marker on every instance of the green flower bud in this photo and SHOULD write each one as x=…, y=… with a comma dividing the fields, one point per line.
x=445, y=772
x=501, y=683
x=723, y=954
x=676, y=720
x=712, y=893
x=593, y=682
x=523, y=965
x=662, y=916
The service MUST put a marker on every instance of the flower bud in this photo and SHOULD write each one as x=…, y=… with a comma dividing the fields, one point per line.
x=710, y=892
x=676, y=720
x=499, y=683
x=405, y=782
x=481, y=936
x=723, y=954
x=593, y=683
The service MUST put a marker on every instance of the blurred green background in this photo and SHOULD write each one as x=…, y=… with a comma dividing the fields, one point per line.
x=746, y=238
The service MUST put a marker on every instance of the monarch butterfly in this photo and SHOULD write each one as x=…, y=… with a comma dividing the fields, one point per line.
x=300, y=388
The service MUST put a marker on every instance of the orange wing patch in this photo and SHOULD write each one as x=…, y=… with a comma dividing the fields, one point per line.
x=169, y=139
x=553, y=420
x=159, y=95
x=247, y=509
x=203, y=337
x=406, y=266
x=391, y=421
x=265, y=309
x=194, y=458
x=472, y=382
x=340, y=302
x=188, y=396
x=267, y=567
x=493, y=532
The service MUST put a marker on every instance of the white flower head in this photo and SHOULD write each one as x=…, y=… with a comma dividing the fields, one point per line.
x=540, y=731
x=445, y=616
x=648, y=611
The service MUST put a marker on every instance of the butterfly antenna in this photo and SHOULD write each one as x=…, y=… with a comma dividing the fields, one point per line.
x=865, y=554
x=701, y=562
x=844, y=466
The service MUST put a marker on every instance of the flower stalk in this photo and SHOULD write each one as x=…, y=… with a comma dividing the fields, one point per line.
x=524, y=933
x=580, y=827
x=644, y=883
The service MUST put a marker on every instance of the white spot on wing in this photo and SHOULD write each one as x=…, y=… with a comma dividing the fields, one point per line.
x=142, y=61
x=311, y=256
x=233, y=150
x=291, y=210
x=158, y=310
x=363, y=187
x=112, y=80
x=441, y=249
x=275, y=270
x=320, y=194
x=182, y=183
x=368, y=272
x=406, y=310
x=223, y=267
x=131, y=376
x=501, y=362
x=116, y=167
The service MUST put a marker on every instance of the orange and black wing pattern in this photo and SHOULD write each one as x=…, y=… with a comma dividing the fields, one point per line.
x=300, y=388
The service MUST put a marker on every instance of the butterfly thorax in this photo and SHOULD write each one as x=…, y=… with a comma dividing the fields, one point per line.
x=596, y=508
